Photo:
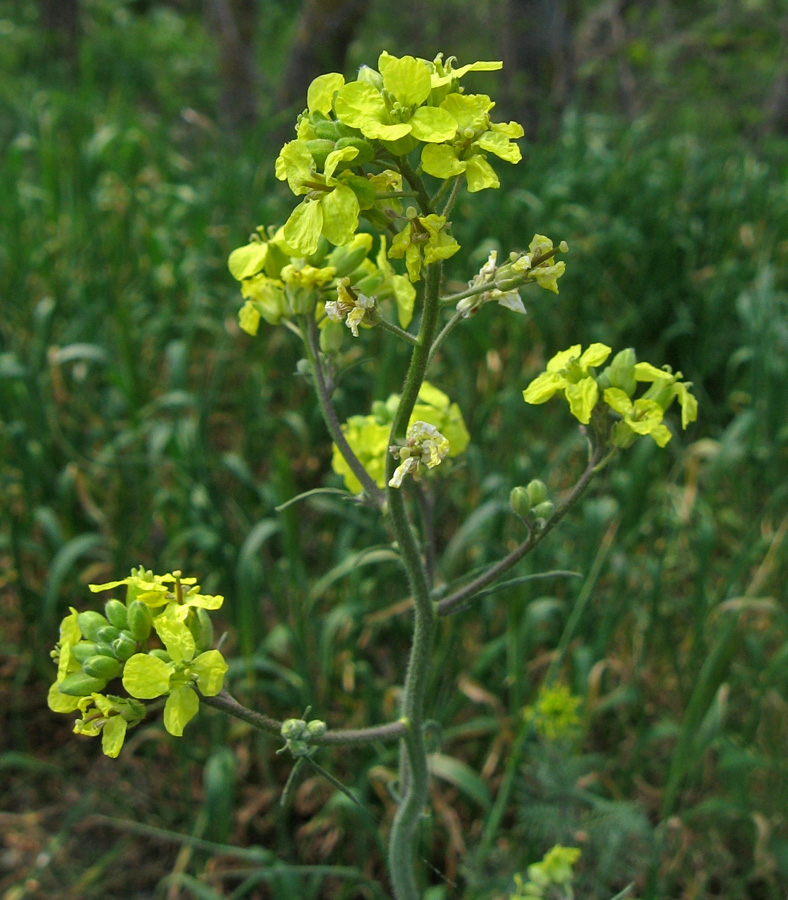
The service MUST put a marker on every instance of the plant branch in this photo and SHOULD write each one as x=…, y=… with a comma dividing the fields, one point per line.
x=332, y=422
x=396, y=330
x=460, y=598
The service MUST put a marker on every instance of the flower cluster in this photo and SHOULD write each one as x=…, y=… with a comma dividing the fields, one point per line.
x=550, y=879
x=96, y=649
x=369, y=436
x=424, y=447
x=573, y=374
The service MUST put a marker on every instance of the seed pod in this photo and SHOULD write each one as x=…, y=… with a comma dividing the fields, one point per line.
x=80, y=684
x=537, y=491
x=544, y=510
x=108, y=633
x=83, y=650
x=90, y=622
x=101, y=667
x=116, y=612
x=520, y=501
x=140, y=619
x=124, y=646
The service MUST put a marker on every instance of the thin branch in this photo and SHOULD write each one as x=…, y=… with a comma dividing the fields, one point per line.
x=444, y=333
x=460, y=597
x=396, y=330
x=332, y=422
x=455, y=192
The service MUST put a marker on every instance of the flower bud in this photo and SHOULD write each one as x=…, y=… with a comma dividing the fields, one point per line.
x=325, y=129
x=124, y=646
x=537, y=491
x=79, y=684
x=90, y=622
x=104, y=648
x=116, y=612
x=320, y=148
x=293, y=729
x=366, y=152
x=108, y=633
x=298, y=748
x=140, y=619
x=202, y=629
x=622, y=371
x=160, y=654
x=520, y=501
x=543, y=510
x=83, y=650
x=101, y=667
x=316, y=728
x=370, y=76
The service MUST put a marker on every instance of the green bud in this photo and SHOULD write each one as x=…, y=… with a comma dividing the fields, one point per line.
x=348, y=258
x=325, y=129
x=140, y=620
x=293, y=729
x=345, y=130
x=537, y=491
x=80, y=684
x=104, y=648
x=116, y=612
x=316, y=728
x=366, y=152
x=316, y=259
x=108, y=633
x=603, y=380
x=124, y=646
x=320, y=148
x=622, y=371
x=202, y=629
x=161, y=654
x=102, y=667
x=520, y=501
x=331, y=336
x=543, y=510
x=90, y=622
x=370, y=76
x=83, y=650
x=298, y=748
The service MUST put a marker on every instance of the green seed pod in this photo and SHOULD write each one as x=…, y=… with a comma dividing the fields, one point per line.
x=537, y=491
x=320, y=148
x=84, y=650
x=108, y=633
x=101, y=667
x=90, y=622
x=116, y=612
x=366, y=152
x=544, y=510
x=79, y=684
x=520, y=501
x=325, y=129
x=124, y=646
x=316, y=728
x=202, y=629
x=140, y=620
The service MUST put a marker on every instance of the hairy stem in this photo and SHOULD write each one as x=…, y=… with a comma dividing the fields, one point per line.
x=330, y=416
x=414, y=775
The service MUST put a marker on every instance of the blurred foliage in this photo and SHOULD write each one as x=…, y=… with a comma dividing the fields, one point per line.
x=138, y=425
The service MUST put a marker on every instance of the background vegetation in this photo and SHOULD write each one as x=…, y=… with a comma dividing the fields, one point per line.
x=137, y=424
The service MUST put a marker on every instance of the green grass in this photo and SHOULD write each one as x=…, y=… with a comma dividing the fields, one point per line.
x=140, y=426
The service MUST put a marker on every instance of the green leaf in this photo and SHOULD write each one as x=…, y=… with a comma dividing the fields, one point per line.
x=247, y=261
x=340, y=211
x=146, y=677
x=320, y=95
x=407, y=78
x=302, y=229
x=462, y=777
x=181, y=707
x=441, y=161
x=209, y=668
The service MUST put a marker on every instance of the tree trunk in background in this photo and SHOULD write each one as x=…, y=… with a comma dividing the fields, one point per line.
x=538, y=56
x=325, y=30
x=60, y=19
x=234, y=22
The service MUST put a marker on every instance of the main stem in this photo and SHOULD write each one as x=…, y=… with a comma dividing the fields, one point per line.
x=414, y=775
